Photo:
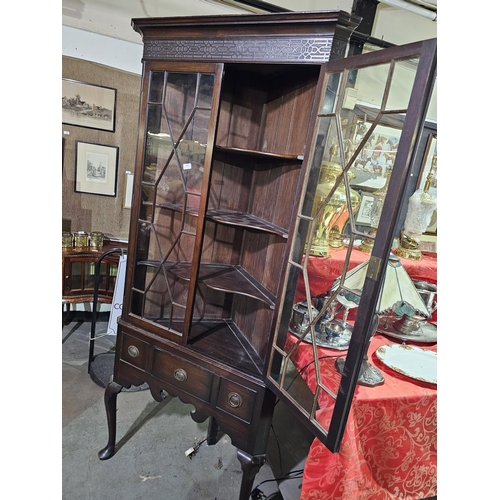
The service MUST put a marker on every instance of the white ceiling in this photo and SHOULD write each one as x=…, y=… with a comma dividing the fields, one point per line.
x=112, y=17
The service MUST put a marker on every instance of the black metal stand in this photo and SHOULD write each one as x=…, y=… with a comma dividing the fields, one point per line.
x=97, y=273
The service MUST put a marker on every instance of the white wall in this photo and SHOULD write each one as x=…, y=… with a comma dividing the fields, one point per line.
x=400, y=26
x=102, y=49
x=391, y=24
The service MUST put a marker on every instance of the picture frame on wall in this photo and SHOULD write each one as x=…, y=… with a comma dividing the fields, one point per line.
x=88, y=105
x=376, y=157
x=430, y=151
x=96, y=167
x=365, y=208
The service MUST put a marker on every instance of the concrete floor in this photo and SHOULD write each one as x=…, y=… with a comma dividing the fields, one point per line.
x=152, y=437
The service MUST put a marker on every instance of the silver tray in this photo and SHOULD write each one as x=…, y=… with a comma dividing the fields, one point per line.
x=339, y=343
x=427, y=335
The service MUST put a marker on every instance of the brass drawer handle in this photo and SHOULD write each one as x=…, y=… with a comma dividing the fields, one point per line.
x=180, y=375
x=234, y=400
x=133, y=351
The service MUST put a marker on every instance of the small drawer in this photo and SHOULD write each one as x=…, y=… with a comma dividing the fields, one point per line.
x=183, y=374
x=236, y=400
x=134, y=351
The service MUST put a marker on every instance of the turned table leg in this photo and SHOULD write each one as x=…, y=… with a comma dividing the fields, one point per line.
x=250, y=465
x=110, y=395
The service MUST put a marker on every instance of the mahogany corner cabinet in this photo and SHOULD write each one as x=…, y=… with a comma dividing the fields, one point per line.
x=236, y=115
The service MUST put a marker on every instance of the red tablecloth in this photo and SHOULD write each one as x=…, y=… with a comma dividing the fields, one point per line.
x=389, y=449
x=322, y=271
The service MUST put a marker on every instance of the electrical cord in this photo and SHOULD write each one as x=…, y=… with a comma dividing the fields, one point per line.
x=279, y=449
x=257, y=494
x=191, y=452
x=274, y=431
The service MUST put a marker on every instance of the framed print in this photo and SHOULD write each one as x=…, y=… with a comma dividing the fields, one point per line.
x=365, y=208
x=376, y=157
x=429, y=163
x=96, y=167
x=430, y=155
x=88, y=105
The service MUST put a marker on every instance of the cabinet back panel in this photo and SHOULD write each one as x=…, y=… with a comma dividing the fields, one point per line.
x=262, y=107
x=287, y=112
x=221, y=244
x=261, y=256
x=303, y=100
x=253, y=318
x=230, y=186
x=210, y=304
x=287, y=190
x=255, y=186
x=258, y=253
x=243, y=102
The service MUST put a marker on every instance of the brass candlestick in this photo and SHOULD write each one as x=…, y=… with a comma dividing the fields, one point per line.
x=335, y=214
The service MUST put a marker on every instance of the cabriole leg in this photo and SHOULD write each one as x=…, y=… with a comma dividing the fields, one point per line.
x=110, y=395
x=250, y=465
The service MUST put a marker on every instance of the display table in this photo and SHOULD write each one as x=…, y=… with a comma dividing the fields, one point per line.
x=389, y=449
x=322, y=271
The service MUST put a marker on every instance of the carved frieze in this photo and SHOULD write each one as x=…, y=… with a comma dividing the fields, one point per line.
x=286, y=49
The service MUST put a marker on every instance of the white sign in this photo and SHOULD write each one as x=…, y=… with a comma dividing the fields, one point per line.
x=117, y=304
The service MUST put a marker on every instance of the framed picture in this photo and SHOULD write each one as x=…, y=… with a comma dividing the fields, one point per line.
x=376, y=157
x=96, y=168
x=88, y=105
x=429, y=154
x=365, y=208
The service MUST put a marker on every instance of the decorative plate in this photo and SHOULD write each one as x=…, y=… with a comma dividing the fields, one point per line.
x=411, y=361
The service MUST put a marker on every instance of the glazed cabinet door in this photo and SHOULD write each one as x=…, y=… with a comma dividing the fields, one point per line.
x=359, y=101
x=179, y=108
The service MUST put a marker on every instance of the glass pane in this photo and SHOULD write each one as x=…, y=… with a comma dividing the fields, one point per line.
x=358, y=129
x=89, y=269
x=76, y=276
x=178, y=116
x=156, y=86
x=404, y=73
x=113, y=273
x=367, y=86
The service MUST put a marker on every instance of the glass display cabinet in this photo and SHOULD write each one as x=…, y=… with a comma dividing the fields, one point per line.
x=239, y=115
x=78, y=274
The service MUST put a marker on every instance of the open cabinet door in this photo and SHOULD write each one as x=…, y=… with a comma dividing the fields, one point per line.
x=369, y=107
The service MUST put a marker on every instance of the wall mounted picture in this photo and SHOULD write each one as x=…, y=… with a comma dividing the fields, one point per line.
x=375, y=158
x=96, y=168
x=88, y=105
x=429, y=164
x=365, y=209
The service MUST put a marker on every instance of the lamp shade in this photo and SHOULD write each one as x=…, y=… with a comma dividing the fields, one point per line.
x=398, y=294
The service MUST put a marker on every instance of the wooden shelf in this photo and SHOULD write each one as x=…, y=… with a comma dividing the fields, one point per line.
x=222, y=277
x=258, y=154
x=233, y=218
x=237, y=352
x=210, y=335
x=245, y=220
